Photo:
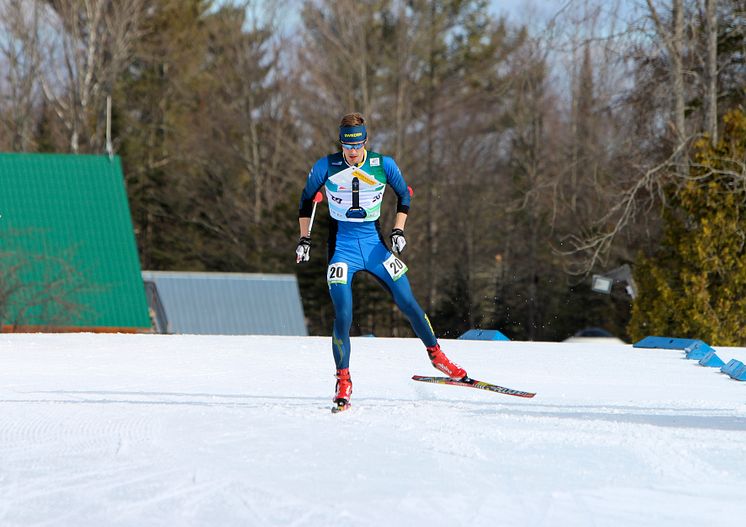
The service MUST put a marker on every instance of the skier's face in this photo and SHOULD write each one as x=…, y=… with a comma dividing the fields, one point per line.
x=354, y=153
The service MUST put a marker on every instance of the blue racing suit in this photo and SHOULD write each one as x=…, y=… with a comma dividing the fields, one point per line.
x=354, y=195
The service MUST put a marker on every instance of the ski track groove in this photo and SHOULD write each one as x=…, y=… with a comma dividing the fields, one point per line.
x=76, y=432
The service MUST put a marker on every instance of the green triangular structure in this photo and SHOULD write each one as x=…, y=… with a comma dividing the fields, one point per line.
x=68, y=255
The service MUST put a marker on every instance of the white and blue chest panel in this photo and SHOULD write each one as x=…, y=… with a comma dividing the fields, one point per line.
x=356, y=193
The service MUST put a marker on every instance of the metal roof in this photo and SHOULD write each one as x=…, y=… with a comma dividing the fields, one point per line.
x=67, y=244
x=230, y=303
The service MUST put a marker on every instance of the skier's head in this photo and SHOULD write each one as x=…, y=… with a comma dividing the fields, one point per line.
x=353, y=136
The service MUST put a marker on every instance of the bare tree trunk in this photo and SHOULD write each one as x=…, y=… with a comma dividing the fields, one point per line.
x=533, y=212
x=432, y=224
x=402, y=52
x=677, y=71
x=251, y=154
x=364, y=94
x=432, y=220
x=710, y=76
x=673, y=41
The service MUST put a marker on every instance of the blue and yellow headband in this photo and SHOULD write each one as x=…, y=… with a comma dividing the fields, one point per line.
x=352, y=134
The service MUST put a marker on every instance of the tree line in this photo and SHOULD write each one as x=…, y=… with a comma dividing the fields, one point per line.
x=539, y=153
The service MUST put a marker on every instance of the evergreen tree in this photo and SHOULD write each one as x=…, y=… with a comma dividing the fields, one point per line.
x=161, y=90
x=201, y=134
x=694, y=284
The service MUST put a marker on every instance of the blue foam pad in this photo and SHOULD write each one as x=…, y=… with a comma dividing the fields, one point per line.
x=697, y=350
x=735, y=369
x=664, y=343
x=711, y=360
x=483, y=334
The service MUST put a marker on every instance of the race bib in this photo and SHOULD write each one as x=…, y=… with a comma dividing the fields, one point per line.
x=395, y=267
x=336, y=273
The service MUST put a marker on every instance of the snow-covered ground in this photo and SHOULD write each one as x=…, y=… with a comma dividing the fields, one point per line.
x=123, y=430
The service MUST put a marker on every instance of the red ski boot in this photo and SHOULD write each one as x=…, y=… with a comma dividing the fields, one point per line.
x=442, y=363
x=343, y=389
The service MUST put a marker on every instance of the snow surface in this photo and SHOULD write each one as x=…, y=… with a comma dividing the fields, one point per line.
x=141, y=430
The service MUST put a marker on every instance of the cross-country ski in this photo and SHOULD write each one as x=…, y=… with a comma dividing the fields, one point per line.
x=473, y=383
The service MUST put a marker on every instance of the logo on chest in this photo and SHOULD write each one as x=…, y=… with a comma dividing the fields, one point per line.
x=365, y=178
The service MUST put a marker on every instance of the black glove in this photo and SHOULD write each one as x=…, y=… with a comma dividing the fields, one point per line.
x=397, y=241
x=303, y=249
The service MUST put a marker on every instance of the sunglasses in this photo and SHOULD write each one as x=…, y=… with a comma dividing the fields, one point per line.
x=356, y=146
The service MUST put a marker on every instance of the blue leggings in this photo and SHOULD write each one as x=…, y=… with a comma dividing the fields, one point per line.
x=369, y=254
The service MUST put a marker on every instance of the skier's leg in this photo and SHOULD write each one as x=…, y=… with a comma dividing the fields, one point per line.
x=344, y=261
x=341, y=294
x=342, y=300
x=401, y=291
x=394, y=279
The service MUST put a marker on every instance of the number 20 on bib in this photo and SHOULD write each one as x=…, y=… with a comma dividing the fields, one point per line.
x=336, y=273
x=395, y=267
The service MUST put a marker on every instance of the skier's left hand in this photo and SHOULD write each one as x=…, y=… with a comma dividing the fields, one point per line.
x=397, y=241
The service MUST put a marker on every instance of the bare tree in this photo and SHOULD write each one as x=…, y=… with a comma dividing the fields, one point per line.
x=19, y=21
x=646, y=155
x=35, y=288
x=93, y=41
x=710, y=73
x=673, y=41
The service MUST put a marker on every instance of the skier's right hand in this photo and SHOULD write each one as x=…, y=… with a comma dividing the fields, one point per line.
x=303, y=249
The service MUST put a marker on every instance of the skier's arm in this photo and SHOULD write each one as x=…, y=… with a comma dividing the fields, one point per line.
x=304, y=223
x=396, y=180
x=401, y=220
x=316, y=178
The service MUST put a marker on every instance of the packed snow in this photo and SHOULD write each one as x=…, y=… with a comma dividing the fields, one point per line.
x=151, y=430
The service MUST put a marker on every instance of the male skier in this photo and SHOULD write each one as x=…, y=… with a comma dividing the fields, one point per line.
x=354, y=181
